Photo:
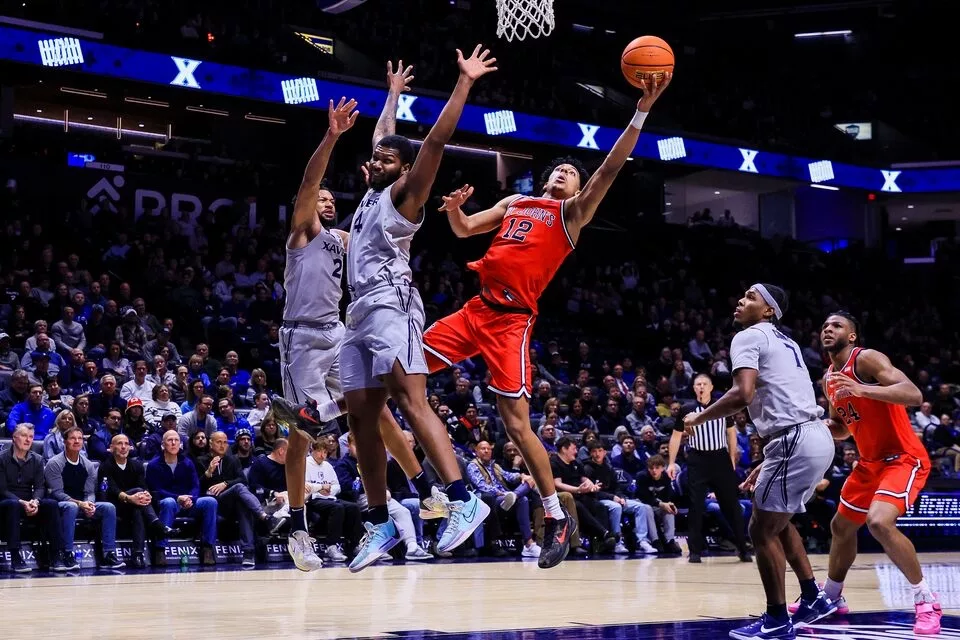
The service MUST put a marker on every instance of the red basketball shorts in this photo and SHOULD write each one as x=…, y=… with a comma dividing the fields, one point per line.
x=502, y=338
x=897, y=481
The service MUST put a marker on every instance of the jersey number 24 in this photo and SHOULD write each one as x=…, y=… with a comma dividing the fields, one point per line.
x=848, y=414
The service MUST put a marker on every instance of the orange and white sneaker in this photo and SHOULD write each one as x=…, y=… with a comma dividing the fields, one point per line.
x=928, y=617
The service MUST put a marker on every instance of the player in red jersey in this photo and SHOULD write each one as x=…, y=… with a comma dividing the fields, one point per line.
x=535, y=236
x=867, y=398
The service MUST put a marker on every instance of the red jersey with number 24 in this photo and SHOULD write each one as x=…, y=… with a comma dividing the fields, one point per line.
x=880, y=429
x=525, y=254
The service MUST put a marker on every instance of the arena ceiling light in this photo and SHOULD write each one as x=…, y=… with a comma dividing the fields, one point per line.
x=268, y=119
x=147, y=101
x=824, y=34
x=207, y=110
x=825, y=187
x=83, y=92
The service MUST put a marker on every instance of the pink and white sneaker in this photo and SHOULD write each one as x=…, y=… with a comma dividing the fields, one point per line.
x=841, y=602
x=928, y=617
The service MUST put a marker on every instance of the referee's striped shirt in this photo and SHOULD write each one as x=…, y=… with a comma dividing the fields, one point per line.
x=711, y=435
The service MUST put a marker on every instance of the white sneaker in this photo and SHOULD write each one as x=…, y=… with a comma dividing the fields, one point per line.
x=531, y=551
x=335, y=554
x=644, y=546
x=621, y=549
x=414, y=552
x=300, y=547
x=435, y=506
x=509, y=499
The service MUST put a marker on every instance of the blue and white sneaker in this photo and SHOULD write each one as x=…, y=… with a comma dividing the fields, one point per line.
x=809, y=612
x=465, y=517
x=765, y=629
x=379, y=540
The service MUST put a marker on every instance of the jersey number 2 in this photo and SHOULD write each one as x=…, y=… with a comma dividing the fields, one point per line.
x=518, y=230
x=337, y=267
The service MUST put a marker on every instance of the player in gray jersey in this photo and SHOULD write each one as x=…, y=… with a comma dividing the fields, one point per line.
x=382, y=350
x=771, y=380
x=311, y=333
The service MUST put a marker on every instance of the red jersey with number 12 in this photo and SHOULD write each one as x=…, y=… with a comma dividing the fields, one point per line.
x=880, y=429
x=525, y=254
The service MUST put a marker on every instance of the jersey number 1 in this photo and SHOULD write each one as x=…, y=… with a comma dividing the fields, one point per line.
x=518, y=230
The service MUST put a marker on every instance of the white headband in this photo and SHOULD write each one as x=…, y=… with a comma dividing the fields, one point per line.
x=762, y=290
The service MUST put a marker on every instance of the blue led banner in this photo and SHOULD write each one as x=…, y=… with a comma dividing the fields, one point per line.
x=94, y=57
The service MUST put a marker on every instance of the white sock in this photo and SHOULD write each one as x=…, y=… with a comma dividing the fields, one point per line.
x=551, y=507
x=922, y=592
x=832, y=589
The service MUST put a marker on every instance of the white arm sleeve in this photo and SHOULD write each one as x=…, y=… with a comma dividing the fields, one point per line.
x=745, y=349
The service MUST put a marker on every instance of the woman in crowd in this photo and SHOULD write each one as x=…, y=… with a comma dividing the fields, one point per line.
x=578, y=420
x=160, y=405
x=194, y=392
x=263, y=443
x=81, y=415
x=258, y=385
x=53, y=442
x=261, y=405
x=134, y=424
x=196, y=372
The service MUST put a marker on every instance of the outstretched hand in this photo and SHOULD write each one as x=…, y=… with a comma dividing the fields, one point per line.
x=652, y=90
x=342, y=116
x=456, y=199
x=477, y=65
x=399, y=81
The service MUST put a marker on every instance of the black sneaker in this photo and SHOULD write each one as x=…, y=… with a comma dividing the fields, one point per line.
x=17, y=563
x=303, y=418
x=159, y=531
x=69, y=562
x=673, y=548
x=208, y=556
x=139, y=562
x=745, y=556
x=111, y=561
x=249, y=560
x=694, y=558
x=58, y=564
x=556, y=539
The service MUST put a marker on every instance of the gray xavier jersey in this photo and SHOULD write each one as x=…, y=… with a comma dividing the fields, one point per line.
x=379, y=245
x=312, y=280
x=784, y=394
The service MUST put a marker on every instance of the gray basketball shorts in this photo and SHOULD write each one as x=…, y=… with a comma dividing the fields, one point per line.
x=384, y=326
x=310, y=363
x=794, y=462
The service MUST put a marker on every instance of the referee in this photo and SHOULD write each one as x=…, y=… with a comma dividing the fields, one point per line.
x=711, y=462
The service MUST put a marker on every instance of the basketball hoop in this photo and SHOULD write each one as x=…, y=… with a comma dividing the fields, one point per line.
x=521, y=18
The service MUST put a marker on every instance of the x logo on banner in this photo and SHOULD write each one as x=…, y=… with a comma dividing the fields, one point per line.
x=404, y=105
x=186, y=68
x=749, y=155
x=589, y=131
x=890, y=181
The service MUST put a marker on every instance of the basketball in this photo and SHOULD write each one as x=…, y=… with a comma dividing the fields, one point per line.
x=646, y=57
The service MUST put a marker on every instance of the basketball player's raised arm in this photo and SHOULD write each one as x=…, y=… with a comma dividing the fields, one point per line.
x=341, y=118
x=415, y=190
x=482, y=222
x=581, y=208
x=892, y=386
x=397, y=82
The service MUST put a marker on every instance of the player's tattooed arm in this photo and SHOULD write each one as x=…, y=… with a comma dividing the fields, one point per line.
x=892, y=386
x=581, y=208
x=397, y=82
x=341, y=118
x=482, y=222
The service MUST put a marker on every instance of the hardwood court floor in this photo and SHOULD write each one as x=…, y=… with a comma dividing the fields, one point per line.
x=478, y=599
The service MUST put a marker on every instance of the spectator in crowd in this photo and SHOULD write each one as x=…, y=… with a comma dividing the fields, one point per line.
x=159, y=405
x=197, y=447
x=39, y=328
x=339, y=517
x=511, y=491
x=130, y=334
x=9, y=360
x=239, y=378
x=53, y=442
x=172, y=479
x=268, y=479
x=578, y=420
x=227, y=419
x=639, y=416
x=198, y=372
x=629, y=460
x=261, y=406
x=243, y=448
x=134, y=423
x=946, y=441
x=471, y=429
x=161, y=375
x=548, y=437
x=99, y=444
x=72, y=481
x=15, y=393
x=258, y=385
x=654, y=488
x=195, y=391
x=461, y=398
x=613, y=497
x=199, y=419
x=22, y=490
x=266, y=440
x=68, y=334
x=222, y=478
x=88, y=382
x=925, y=417
x=945, y=402
x=81, y=415
x=570, y=476
x=44, y=349
x=107, y=398
x=699, y=350
x=126, y=489
x=138, y=386
x=181, y=385
x=54, y=398
x=32, y=411
x=610, y=419
x=540, y=371
x=152, y=348
x=116, y=363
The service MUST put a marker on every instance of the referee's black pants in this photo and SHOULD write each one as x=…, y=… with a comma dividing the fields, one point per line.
x=707, y=469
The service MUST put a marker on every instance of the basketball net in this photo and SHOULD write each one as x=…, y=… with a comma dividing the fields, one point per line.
x=518, y=19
